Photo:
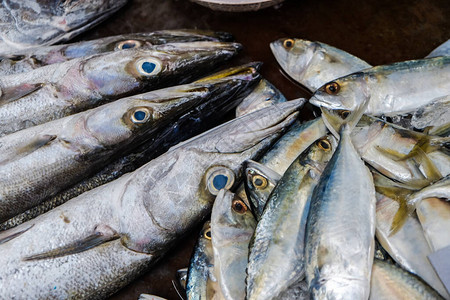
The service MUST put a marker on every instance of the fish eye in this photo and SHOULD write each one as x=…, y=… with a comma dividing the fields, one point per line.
x=129, y=44
x=140, y=115
x=207, y=233
x=149, y=66
x=239, y=206
x=344, y=113
x=288, y=43
x=259, y=182
x=219, y=178
x=332, y=88
x=324, y=144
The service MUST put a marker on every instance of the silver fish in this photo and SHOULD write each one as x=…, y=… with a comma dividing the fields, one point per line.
x=28, y=24
x=394, y=89
x=340, y=227
x=49, y=93
x=29, y=59
x=101, y=240
x=40, y=161
x=232, y=226
x=313, y=64
x=441, y=50
x=277, y=258
x=440, y=189
x=263, y=95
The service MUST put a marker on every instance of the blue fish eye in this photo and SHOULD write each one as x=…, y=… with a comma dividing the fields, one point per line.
x=220, y=181
x=128, y=45
x=148, y=67
x=139, y=115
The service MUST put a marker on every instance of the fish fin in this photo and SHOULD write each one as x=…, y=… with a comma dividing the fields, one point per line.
x=6, y=236
x=177, y=289
x=97, y=238
x=12, y=94
x=149, y=297
x=28, y=148
x=430, y=171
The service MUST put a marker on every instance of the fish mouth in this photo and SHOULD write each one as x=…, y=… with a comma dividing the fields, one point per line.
x=324, y=103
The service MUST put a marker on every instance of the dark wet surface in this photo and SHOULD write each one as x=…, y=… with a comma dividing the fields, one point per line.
x=378, y=31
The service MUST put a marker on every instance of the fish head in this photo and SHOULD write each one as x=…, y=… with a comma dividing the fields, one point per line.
x=319, y=154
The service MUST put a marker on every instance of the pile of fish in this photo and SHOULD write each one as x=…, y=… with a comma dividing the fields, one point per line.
x=111, y=150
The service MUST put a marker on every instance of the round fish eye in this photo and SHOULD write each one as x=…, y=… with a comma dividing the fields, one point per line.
x=259, y=182
x=344, y=113
x=332, y=88
x=129, y=44
x=239, y=206
x=219, y=178
x=149, y=66
x=288, y=43
x=140, y=115
x=207, y=233
x=324, y=144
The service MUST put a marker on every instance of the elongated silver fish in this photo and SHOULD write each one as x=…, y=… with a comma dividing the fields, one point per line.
x=340, y=227
x=40, y=161
x=394, y=89
x=101, y=240
x=313, y=64
x=59, y=90
x=29, y=59
x=264, y=94
x=232, y=227
x=440, y=189
x=203, y=117
x=390, y=282
x=27, y=24
x=277, y=258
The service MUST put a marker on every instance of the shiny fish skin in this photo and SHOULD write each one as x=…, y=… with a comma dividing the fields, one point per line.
x=48, y=93
x=394, y=89
x=202, y=118
x=148, y=210
x=277, y=258
x=27, y=24
x=313, y=64
x=342, y=209
x=82, y=143
x=390, y=282
x=232, y=227
x=29, y=59
x=263, y=95
x=441, y=50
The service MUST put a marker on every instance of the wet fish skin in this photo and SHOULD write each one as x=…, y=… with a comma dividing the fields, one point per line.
x=82, y=143
x=29, y=59
x=391, y=282
x=147, y=211
x=263, y=95
x=203, y=117
x=277, y=260
x=28, y=24
x=232, y=227
x=51, y=91
x=394, y=89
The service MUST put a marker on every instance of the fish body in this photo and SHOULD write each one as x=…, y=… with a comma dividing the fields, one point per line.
x=313, y=64
x=232, y=227
x=38, y=162
x=277, y=258
x=30, y=24
x=59, y=90
x=126, y=225
x=391, y=282
x=442, y=50
x=394, y=89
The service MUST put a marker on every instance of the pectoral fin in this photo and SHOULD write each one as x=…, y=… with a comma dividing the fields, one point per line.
x=12, y=233
x=12, y=94
x=28, y=148
x=97, y=238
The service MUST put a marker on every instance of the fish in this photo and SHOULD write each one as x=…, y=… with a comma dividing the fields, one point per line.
x=313, y=64
x=441, y=50
x=277, y=259
x=394, y=89
x=49, y=92
x=400, y=232
x=232, y=227
x=30, y=24
x=101, y=240
x=29, y=59
x=391, y=282
x=263, y=95
x=340, y=228
x=201, y=283
x=66, y=150
x=440, y=189
x=150, y=297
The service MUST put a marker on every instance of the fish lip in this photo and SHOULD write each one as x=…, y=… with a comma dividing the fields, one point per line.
x=323, y=103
